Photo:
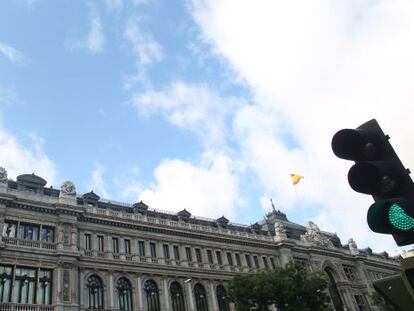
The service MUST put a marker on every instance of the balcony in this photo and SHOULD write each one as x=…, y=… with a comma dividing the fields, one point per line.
x=29, y=243
x=24, y=307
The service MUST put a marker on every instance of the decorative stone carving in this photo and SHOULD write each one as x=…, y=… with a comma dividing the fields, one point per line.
x=3, y=175
x=66, y=285
x=68, y=188
x=352, y=246
x=280, y=230
x=313, y=235
x=66, y=234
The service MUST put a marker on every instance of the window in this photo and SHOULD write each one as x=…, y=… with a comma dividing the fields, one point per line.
x=166, y=250
x=10, y=229
x=219, y=260
x=200, y=297
x=152, y=296
x=238, y=261
x=198, y=255
x=115, y=245
x=349, y=272
x=48, y=234
x=30, y=285
x=272, y=263
x=229, y=258
x=248, y=261
x=266, y=265
x=28, y=231
x=188, y=254
x=44, y=294
x=361, y=302
x=209, y=256
x=176, y=252
x=24, y=286
x=153, y=250
x=222, y=300
x=127, y=244
x=6, y=277
x=177, y=297
x=101, y=247
x=256, y=262
x=123, y=286
x=88, y=241
x=141, y=248
x=94, y=293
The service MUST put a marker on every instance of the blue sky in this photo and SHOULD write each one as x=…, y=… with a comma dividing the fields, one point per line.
x=206, y=105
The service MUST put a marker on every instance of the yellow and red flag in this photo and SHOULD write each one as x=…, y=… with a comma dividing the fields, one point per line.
x=295, y=178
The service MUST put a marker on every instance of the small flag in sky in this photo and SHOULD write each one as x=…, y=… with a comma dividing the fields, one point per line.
x=295, y=178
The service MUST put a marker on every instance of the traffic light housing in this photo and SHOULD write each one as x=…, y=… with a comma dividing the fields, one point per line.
x=379, y=172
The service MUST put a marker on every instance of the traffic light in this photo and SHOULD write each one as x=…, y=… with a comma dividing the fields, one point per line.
x=379, y=172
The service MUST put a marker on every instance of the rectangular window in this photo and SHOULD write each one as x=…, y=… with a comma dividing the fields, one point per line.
x=266, y=265
x=209, y=256
x=141, y=248
x=248, y=261
x=101, y=247
x=44, y=293
x=176, y=252
x=153, y=250
x=10, y=229
x=238, y=261
x=6, y=283
x=272, y=263
x=229, y=258
x=256, y=261
x=361, y=303
x=198, y=255
x=219, y=260
x=166, y=249
x=188, y=253
x=88, y=242
x=349, y=272
x=127, y=244
x=115, y=245
x=48, y=234
x=28, y=232
x=24, y=287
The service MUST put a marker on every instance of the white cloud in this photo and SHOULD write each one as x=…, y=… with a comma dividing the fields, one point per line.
x=146, y=49
x=208, y=188
x=94, y=41
x=25, y=159
x=193, y=107
x=14, y=55
x=314, y=68
x=97, y=182
x=8, y=96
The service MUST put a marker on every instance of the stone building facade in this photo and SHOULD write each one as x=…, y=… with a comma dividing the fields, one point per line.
x=63, y=251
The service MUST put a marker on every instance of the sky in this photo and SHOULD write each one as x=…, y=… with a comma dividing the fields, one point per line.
x=207, y=105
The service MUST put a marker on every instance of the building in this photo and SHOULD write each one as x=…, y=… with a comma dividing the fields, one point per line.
x=63, y=251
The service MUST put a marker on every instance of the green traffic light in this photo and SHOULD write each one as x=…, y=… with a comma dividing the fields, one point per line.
x=399, y=219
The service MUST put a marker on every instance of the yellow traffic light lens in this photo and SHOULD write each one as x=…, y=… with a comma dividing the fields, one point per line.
x=399, y=219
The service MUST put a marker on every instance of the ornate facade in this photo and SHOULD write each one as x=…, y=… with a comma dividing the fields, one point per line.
x=63, y=251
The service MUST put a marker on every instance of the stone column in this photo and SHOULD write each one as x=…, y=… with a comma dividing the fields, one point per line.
x=204, y=258
x=191, y=304
x=111, y=290
x=183, y=255
x=166, y=295
x=213, y=297
x=160, y=252
x=108, y=246
x=285, y=256
x=121, y=248
x=74, y=238
x=140, y=297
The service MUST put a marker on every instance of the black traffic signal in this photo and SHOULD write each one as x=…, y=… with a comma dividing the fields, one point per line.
x=379, y=172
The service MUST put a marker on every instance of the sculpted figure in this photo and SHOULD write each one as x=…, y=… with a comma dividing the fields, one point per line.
x=3, y=174
x=68, y=188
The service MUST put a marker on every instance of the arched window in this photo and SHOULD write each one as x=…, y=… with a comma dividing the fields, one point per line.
x=333, y=291
x=222, y=298
x=177, y=297
x=95, y=292
x=200, y=297
x=123, y=286
x=152, y=296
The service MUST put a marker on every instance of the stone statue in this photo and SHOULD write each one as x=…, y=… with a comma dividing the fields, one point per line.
x=280, y=230
x=68, y=188
x=3, y=174
x=352, y=246
x=313, y=235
